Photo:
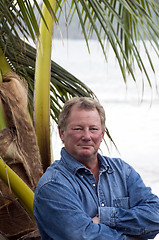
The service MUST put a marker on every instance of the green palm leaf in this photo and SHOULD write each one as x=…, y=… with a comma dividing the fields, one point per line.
x=121, y=23
x=63, y=84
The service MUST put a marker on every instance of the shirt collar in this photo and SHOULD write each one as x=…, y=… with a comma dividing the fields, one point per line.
x=104, y=164
x=73, y=165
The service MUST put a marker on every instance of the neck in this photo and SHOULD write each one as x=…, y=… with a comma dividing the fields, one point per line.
x=94, y=168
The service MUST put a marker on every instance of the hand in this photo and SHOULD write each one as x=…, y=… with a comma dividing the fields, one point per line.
x=96, y=220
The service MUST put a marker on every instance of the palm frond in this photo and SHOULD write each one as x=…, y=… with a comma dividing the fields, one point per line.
x=64, y=85
x=121, y=24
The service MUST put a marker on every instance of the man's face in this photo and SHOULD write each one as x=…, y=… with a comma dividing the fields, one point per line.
x=83, y=134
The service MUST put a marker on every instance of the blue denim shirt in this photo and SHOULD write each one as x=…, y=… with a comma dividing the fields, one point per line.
x=67, y=198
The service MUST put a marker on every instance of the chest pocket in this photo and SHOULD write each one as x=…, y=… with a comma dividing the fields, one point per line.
x=121, y=202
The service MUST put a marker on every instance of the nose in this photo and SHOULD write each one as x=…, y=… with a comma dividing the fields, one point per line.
x=86, y=135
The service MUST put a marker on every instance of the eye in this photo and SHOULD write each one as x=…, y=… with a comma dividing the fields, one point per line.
x=93, y=129
x=77, y=128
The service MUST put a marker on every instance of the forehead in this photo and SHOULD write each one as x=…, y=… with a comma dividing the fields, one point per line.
x=80, y=114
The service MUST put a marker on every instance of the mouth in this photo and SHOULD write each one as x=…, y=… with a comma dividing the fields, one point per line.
x=85, y=146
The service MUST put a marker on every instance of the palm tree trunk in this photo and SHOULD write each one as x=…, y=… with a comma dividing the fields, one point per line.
x=19, y=149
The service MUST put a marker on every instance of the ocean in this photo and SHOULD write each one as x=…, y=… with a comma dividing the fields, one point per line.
x=132, y=113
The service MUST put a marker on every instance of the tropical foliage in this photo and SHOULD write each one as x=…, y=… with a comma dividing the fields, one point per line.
x=117, y=23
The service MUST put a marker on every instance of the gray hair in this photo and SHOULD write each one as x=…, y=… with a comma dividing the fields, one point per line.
x=82, y=103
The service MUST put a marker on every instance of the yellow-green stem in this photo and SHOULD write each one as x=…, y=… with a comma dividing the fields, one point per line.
x=19, y=188
x=42, y=86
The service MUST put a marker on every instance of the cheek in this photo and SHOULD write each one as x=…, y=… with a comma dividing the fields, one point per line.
x=73, y=137
x=98, y=138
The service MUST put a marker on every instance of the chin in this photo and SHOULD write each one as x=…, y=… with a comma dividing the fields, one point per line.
x=86, y=154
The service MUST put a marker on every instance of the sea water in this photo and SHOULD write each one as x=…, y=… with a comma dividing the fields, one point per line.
x=132, y=109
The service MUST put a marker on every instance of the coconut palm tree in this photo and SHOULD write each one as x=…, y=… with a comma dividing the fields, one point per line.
x=117, y=23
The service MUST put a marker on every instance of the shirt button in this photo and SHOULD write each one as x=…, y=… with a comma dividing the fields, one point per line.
x=94, y=184
x=102, y=204
x=82, y=176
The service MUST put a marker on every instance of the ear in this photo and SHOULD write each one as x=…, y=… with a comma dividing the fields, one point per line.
x=61, y=133
x=103, y=132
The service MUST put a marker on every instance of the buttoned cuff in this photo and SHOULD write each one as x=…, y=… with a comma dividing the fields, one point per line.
x=108, y=216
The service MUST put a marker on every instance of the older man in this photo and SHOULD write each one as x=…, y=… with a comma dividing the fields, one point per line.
x=89, y=196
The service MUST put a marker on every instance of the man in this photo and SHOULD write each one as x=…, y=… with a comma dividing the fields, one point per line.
x=89, y=196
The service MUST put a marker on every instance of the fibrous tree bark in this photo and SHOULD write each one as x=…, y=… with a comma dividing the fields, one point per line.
x=19, y=149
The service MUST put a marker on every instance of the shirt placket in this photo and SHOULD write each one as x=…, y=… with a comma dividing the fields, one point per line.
x=92, y=180
x=100, y=194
